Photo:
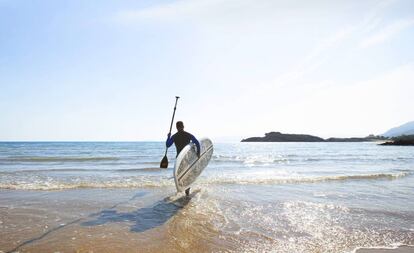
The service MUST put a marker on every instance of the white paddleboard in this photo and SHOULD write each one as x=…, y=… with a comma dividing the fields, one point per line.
x=188, y=166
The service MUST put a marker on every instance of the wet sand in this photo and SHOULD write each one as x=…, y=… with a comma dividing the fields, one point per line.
x=145, y=220
x=103, y=221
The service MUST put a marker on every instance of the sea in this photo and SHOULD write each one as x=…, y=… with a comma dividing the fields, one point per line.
x=252, y=197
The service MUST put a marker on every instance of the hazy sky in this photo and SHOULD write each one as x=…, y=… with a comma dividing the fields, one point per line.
x=109, y=70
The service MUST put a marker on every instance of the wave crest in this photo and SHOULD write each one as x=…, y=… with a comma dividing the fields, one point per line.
x=56, y=159
x=48, y=183
x=299, y=179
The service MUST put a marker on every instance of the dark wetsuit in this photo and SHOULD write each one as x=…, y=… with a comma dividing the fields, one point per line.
x=182, y=139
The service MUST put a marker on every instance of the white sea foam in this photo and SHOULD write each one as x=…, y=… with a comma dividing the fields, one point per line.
x=269, y=178
x=389, y=247
x=40, y=182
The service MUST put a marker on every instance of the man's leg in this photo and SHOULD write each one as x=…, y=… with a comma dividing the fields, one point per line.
x=187, y=192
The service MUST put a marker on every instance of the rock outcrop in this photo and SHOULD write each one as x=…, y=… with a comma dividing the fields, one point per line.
x=404, y=140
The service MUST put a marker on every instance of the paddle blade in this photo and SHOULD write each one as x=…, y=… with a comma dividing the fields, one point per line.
x=164, y=162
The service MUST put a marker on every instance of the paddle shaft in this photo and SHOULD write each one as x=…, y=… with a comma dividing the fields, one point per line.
x=172, y=120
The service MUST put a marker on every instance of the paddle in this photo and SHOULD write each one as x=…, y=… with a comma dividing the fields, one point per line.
x=164, y=161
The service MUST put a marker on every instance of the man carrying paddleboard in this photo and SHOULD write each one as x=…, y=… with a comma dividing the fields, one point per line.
x=182, y=139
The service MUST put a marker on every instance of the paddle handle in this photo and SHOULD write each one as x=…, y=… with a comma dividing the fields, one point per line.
x=172, y=120
x=175, y=107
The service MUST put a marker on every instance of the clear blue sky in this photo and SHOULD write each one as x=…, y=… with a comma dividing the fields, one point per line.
x=109, y=70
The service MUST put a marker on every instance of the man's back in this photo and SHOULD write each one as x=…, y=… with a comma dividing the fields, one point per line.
x=181, y=139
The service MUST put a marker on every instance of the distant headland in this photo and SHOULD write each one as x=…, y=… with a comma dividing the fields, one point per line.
x=404, y=140
x=280, y=137
x=402, y=135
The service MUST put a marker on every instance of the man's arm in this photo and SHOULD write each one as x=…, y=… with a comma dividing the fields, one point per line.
x=195, y=141
x=170, y=140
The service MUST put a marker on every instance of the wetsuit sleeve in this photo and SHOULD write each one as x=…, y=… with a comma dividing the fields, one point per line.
x=195, y=141
x=169, y=141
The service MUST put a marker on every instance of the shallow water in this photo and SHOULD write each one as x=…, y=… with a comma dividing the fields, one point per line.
x=253, y=197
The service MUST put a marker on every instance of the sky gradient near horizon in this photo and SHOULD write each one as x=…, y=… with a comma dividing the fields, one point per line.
x=109, y=70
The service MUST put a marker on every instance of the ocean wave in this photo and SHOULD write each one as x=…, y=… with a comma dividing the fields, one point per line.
x=304, y=179
x=86, y=185
x=56, y=159
x=392, y=246
x=48, y=183
x=60, y=185
x=49, y=170
x=131, y=170
x=148, y=169
x=250, y=160
x=287, y=158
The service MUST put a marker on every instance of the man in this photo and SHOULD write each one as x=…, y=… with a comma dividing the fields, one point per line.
x=182, y=139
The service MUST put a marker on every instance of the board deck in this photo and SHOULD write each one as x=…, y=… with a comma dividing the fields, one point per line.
x=188, y=166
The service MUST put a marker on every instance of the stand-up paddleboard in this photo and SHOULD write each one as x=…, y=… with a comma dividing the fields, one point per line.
x=188, y=166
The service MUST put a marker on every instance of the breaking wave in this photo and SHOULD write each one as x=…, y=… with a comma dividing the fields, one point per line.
x=55, y=159
x=50, y=183
x=22, y=171
x=304, y=179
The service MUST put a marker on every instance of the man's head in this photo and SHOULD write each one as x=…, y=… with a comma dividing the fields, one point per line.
x=179, y=125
